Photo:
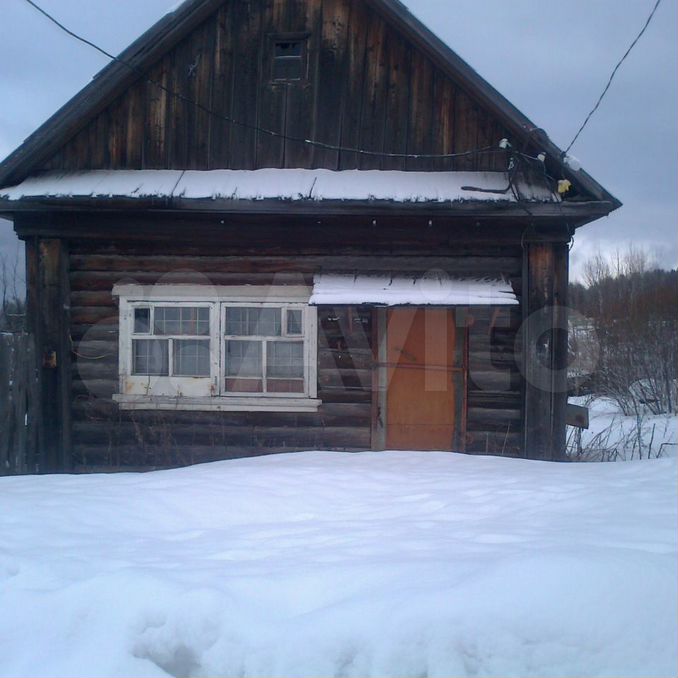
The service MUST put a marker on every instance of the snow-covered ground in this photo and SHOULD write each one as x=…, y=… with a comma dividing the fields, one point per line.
x=331, y=564
x=613, y=436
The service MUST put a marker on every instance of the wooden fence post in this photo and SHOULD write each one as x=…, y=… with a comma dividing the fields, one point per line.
x=17, y=395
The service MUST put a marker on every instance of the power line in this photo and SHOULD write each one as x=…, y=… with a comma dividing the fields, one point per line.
x=310, y=142
x=614, y=72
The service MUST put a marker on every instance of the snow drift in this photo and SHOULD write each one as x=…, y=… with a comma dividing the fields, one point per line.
x=331, y=564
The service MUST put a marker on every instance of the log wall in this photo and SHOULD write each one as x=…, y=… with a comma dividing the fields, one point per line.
x=105, y=436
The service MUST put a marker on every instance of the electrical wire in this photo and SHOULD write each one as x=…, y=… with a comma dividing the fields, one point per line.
x=614, y=72
x=487, y=150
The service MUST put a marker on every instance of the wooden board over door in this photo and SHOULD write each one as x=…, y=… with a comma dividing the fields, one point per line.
x=425, y=380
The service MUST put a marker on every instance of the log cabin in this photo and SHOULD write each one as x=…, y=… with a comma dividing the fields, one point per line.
x=282, y=225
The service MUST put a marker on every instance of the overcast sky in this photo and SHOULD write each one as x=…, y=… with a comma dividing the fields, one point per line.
x=551, y=59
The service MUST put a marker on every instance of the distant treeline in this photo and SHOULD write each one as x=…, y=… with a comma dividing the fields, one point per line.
x=632, y=310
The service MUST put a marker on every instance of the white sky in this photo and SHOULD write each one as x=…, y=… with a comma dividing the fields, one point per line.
x=551, y=59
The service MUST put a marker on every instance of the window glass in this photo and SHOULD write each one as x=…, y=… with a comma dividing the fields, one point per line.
x=294, y=322
x=243, y=358
x=288, y=48
x=250, y=321
x=191, y=358
x=285, y=359
x=182, y=320
x=150, y=357
x=142, y=320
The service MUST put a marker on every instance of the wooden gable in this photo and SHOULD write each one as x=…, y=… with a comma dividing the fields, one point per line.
x=367, y=86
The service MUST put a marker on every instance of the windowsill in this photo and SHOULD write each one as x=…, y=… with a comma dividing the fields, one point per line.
x=217, y=404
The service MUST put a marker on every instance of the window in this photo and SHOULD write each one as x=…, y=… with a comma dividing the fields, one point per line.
x=176, y=354
x=260, y=354
x=233, y=348
x=288, y=57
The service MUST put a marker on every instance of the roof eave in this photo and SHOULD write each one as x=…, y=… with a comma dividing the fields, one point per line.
x=573, y=213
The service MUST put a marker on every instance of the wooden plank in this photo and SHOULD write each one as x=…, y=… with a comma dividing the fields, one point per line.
x=200, y=85
x=222, y=89
x=274, y=264
x=577, y=416
x=374, y=93
x=420, y=128
x=330, y=81
x=443, y=133
x=15, y=374
x=272, y=96
x=246, y=36
x=180, y=113
x=155, y=119
x=465, y=132
x=301, y=119
x=7, y=359
x=396, y=117
x=135, y=126
x=353, y=97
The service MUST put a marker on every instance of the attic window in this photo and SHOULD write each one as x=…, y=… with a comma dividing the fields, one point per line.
x=289, y=58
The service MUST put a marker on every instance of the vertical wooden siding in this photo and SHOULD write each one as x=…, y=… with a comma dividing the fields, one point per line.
x=367, y=87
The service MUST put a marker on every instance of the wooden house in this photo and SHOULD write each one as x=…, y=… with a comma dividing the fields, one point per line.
x=279, y=225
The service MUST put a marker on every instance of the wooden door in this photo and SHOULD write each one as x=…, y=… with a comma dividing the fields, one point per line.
x=423, y=395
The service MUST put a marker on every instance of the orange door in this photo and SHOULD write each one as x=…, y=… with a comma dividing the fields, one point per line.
x=421, y=404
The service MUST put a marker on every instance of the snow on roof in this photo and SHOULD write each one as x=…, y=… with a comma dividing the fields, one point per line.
x=418, y=290
x=281, y=184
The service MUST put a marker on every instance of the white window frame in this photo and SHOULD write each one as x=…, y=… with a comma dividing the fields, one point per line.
x=264, y=339
x=137, y=392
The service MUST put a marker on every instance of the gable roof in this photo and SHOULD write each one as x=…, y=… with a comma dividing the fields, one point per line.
x=119, y=75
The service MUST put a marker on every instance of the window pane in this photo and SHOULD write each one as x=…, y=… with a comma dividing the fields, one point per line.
x=166, y=320
x=288, y=48
x=294, y=322
x=182, y=320
x=236, y=321
x=243, y=358
x=285, y=385
x=201, y=321
x=248, y=321
x=265, y=322
x=191, y=358
x=285, y=359
x=150, y=357
x=244, y=385
x=142, y=320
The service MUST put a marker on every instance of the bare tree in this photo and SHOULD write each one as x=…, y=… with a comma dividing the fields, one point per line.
x=632, y=305
x=12, y=304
